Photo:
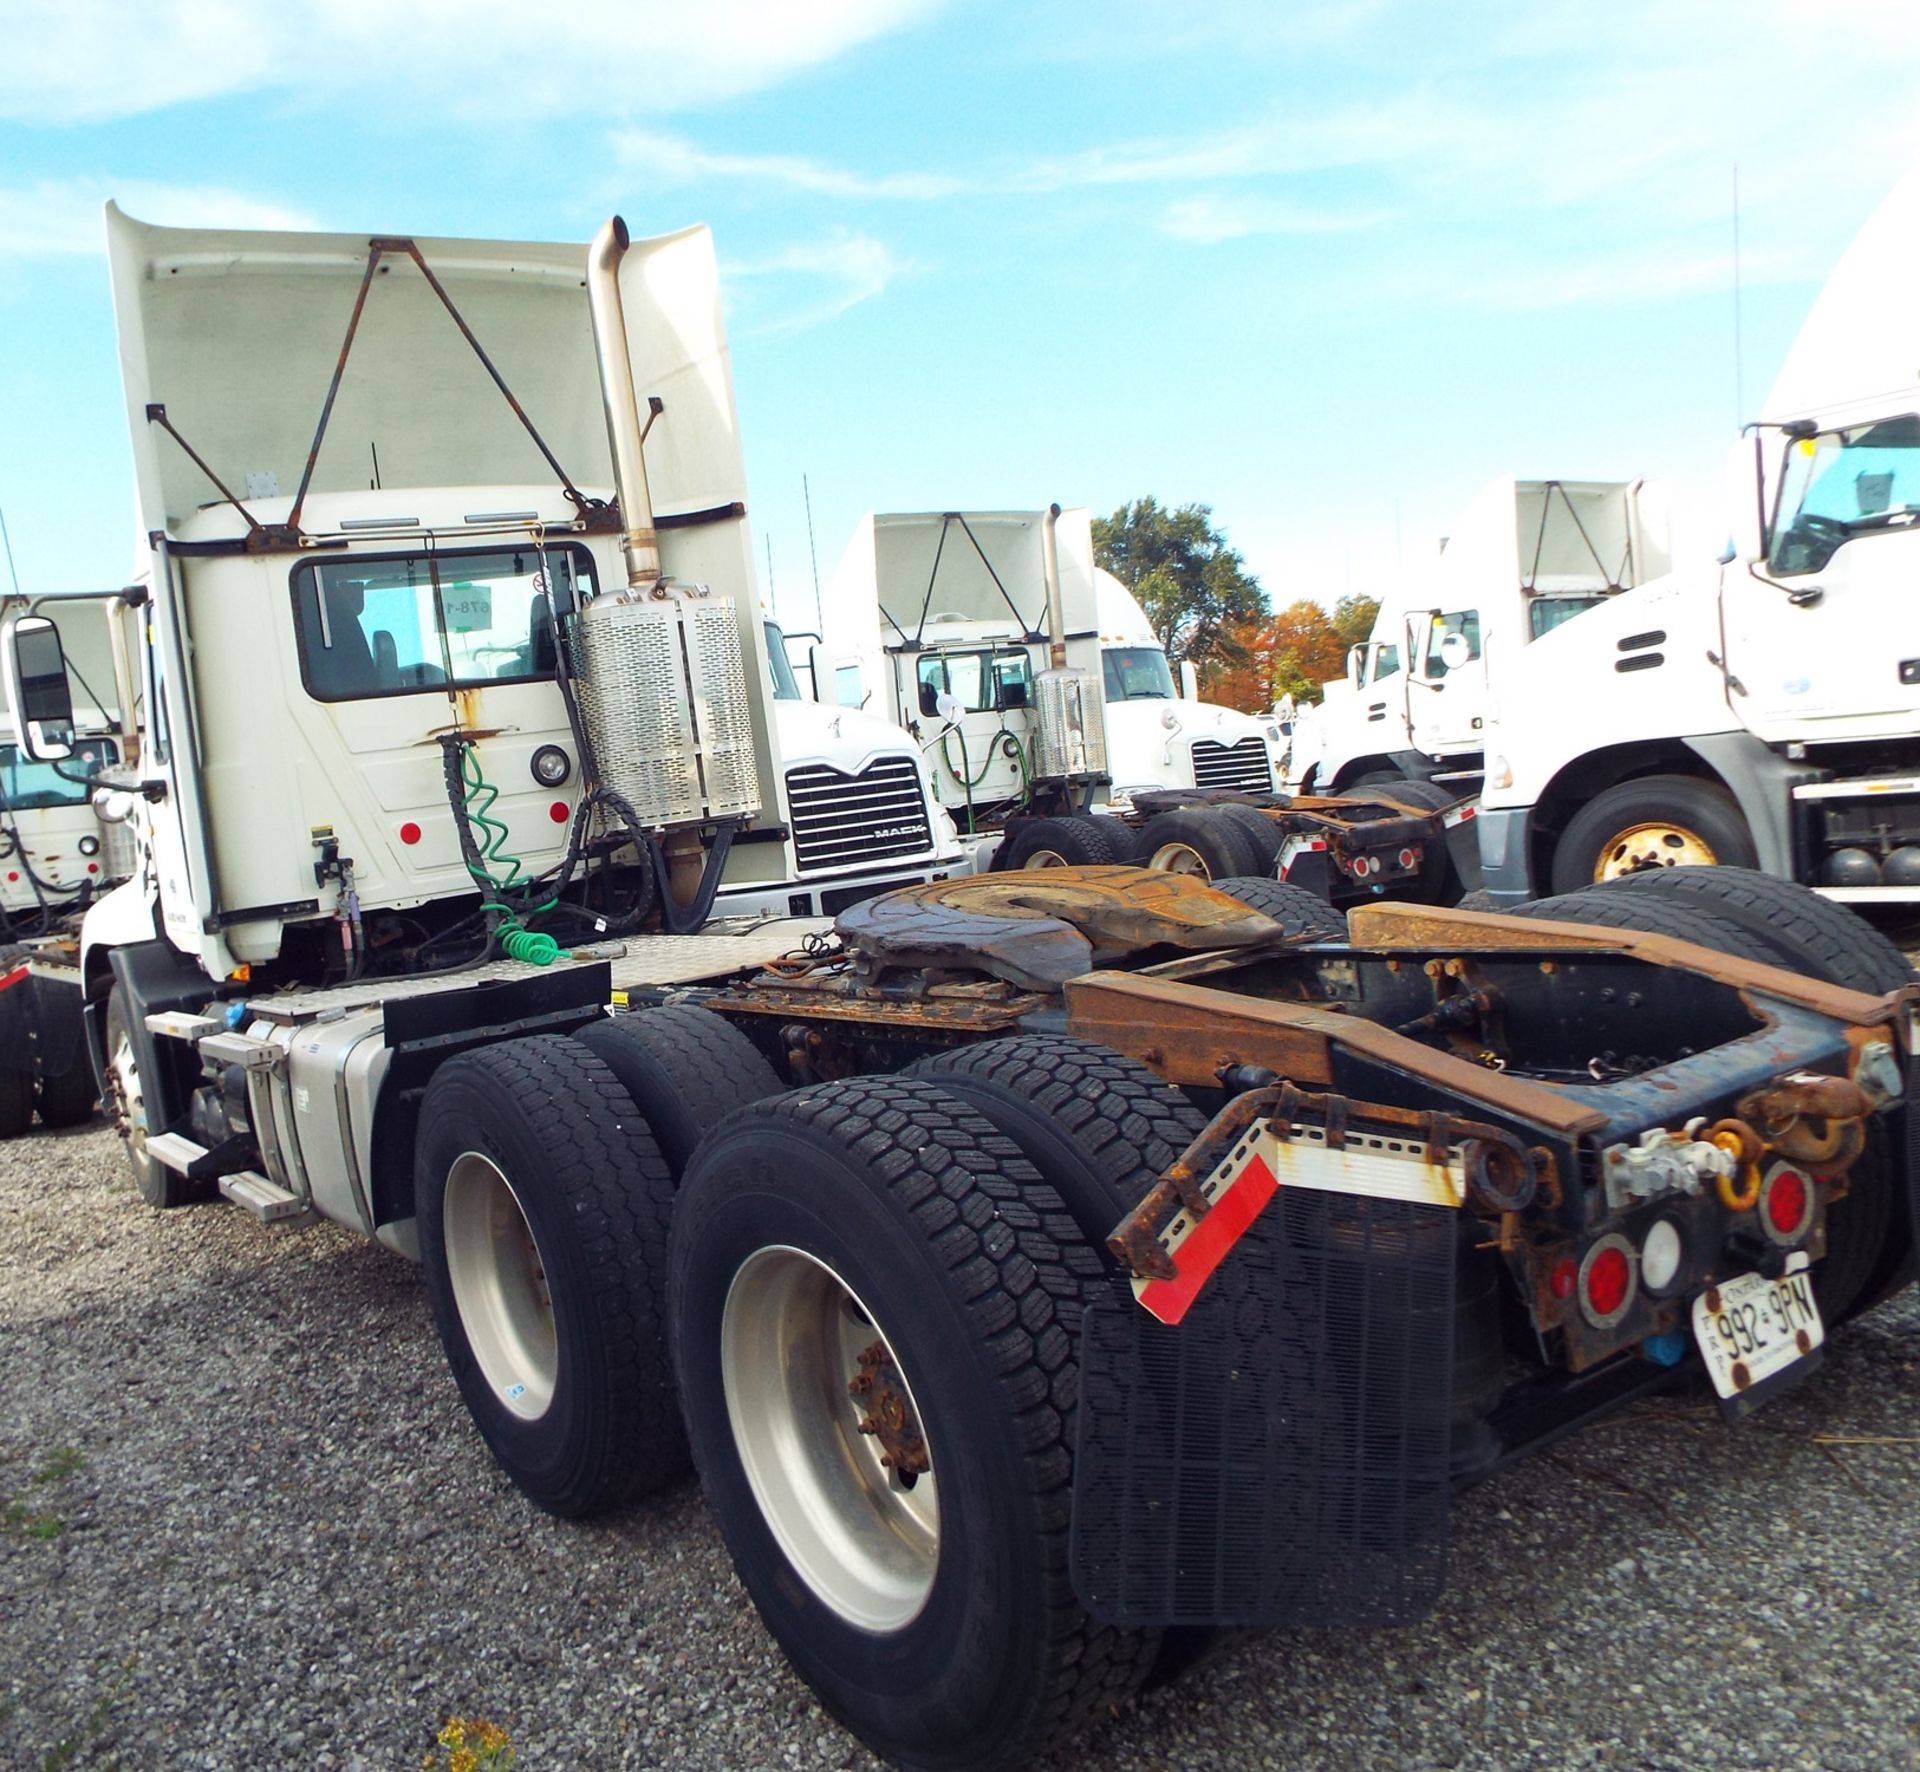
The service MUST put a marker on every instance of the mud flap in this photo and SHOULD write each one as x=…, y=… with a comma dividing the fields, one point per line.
x=1282, y=1456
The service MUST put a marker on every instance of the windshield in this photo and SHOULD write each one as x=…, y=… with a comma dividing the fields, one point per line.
x=1136, y=673
x=1544, y=614
x=786, y=686
x=396, y=624
x=981, y=682
x=1841, y=484
x=27, y=785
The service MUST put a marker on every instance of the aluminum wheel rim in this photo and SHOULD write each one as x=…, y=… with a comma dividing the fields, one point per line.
x=124, y=1068
x=1179, y=858
x=862, y=1537
x=499, y=1281
x=1654, y=844
x=1046, y=858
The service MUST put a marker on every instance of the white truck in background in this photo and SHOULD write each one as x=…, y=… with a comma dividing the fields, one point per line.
x=391, y=727
x=1524, y=557
x=1765, y=711
x=60, y=848
x=943, y=618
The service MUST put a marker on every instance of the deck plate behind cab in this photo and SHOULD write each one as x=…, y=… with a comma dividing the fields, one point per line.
x=1037, y=928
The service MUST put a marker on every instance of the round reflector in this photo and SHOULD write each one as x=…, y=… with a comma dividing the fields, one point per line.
x=409, y=832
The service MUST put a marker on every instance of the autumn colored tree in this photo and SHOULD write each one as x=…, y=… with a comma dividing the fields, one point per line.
x=1353, y=617
x=1193, y=586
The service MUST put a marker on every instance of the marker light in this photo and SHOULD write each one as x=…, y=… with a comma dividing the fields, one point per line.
x=551, y=765
x=88, y=845
x=1786, y=1204
x=1607, y=1281
x=1661, y=1256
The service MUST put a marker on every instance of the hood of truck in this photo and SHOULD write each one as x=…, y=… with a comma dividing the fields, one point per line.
x=238, y=336
x=846, y=739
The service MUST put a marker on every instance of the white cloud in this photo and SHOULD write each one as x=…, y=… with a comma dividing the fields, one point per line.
x=673, y=160
x=59, y=217
x=1207, y=220
x=87, y=60
x=851, y=268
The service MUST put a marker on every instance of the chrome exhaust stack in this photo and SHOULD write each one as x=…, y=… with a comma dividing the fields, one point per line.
x=1056, y=609
x=640, y=543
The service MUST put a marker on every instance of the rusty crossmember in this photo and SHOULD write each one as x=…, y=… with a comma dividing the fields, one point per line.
x=1503, y=1172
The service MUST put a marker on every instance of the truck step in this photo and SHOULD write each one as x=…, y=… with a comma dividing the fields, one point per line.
x=174, y=1151
x=266, y=1200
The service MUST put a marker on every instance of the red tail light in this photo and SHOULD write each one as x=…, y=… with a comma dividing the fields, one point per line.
x=1607, y=1281
x=1786, y=1203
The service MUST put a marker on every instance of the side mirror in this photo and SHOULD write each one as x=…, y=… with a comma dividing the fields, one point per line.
x=929, y=702
x=1013, y=694
x=38, y=693
x=1356, y=664
x=1189, y=681
x=949, y=709
x=1746, y=498
x=1454, y=650
x=819, y=669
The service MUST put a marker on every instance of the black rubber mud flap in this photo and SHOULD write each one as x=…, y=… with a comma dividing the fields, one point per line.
x=1282, y=1456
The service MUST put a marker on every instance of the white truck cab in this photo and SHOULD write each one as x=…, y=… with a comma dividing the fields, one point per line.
x=942, y=618
x=1160, y=736
x=1524, y=557
x=1764, y=709
x=381, y=646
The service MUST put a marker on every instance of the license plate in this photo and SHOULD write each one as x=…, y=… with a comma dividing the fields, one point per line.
x=1750, y=1327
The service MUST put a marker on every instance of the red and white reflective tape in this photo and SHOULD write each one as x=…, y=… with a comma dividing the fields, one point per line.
x=15, y=976
x=1367, y=1163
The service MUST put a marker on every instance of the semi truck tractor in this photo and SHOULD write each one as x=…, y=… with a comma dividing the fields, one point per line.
x=1044, y=1271
x=59, y=850
x=1765, y=710
x=1524, y=557
x=970, y=626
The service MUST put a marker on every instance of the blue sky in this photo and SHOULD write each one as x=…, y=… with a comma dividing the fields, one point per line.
x=1325, y=265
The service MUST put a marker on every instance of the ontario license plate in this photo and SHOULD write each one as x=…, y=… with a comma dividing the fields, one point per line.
x=1750, y=1327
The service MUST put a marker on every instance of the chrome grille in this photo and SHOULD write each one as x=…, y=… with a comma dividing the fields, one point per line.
x=840, y=820
x=1243, y=766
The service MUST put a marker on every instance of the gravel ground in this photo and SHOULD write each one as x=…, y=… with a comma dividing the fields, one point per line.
x=287, y=1547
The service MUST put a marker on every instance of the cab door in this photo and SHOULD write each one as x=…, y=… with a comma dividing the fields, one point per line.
x=1446, y=691
x=1823, y=634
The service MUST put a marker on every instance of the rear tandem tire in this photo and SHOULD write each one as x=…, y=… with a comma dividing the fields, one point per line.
x=686, y=1069
x=67, y=1096
x=880, y=1233
x=1294, y=908
x=1099, y=1127
x=16, y=1057
x=543, y=1207
x=1078, y=842
x=1197, y=840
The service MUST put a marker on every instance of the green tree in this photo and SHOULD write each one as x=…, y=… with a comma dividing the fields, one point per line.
x=1353, y=617
x=1194, y=587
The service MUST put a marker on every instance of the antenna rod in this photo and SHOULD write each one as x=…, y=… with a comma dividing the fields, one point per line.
x=8, y=540
x=819, y=620
x=1739, y=370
